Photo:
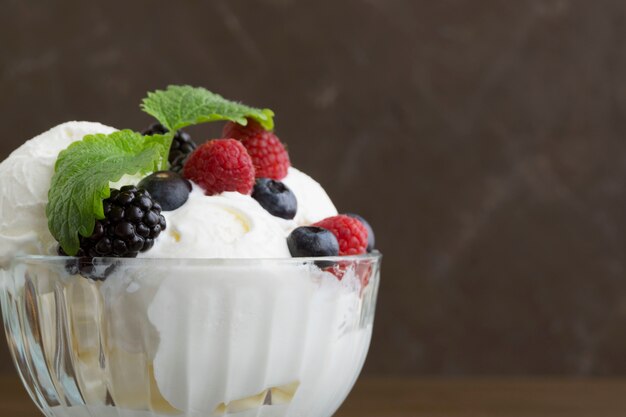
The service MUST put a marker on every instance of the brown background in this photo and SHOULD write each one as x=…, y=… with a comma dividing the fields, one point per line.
x=484, y=140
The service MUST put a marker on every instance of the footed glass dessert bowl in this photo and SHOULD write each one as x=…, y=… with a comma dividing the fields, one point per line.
x=189, y=337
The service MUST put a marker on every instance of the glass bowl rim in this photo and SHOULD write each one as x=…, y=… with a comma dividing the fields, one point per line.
x=375, y=256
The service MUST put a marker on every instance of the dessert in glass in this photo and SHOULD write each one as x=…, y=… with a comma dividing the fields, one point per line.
x=145, y=275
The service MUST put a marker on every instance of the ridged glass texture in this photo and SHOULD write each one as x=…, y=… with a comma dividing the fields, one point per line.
x=190, y=338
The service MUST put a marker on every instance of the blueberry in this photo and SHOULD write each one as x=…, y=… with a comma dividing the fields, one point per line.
x=168, y=188
x=275, y=197
x=310, y=241
x=370, y=231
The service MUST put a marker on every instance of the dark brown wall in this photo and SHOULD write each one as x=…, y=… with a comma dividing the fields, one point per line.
x=483, y=139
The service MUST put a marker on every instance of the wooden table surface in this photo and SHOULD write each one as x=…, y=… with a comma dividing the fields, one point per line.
x=436, y=397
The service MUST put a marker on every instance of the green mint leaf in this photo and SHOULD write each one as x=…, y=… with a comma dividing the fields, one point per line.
x=82, y=175
x=181, y=106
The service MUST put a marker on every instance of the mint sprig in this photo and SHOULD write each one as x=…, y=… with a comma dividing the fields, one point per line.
x=82, y=175
x=181, y=106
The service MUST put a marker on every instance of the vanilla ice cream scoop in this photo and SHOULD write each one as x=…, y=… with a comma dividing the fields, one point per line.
x=24, y=182
x=233, y=225
x=313, y=202
x=229, y=225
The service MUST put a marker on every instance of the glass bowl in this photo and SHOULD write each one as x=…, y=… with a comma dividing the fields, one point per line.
x=189, y=337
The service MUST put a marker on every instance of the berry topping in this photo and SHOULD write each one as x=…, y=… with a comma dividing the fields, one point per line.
x=170, y=189
x=132, y=221
x=310, y=241
x=370, y=232
x=275, y=197
x=221, y=165
x=350, y=233
x=182, y=146
x=268, y=154
x=155, y=129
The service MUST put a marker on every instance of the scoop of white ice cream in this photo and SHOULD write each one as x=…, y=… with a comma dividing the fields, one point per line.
x=24, y=182
x=233, y=225
x=313, y=202
x=229, y=225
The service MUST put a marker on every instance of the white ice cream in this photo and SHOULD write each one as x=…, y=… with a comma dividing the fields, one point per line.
x=248, y=329
x=195, y=339
x=214, y=339
x=230, y=225
x=313, y=202
x=24, y=182
x=233, y=225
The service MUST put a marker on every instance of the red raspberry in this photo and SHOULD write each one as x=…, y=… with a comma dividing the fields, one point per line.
x=268, y=154
x=351, y=233
x=221, y=165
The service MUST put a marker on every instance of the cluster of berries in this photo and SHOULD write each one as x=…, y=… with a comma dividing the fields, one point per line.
x=345, y=234
x=252, y=160
x=249, y=160
x=132, y=215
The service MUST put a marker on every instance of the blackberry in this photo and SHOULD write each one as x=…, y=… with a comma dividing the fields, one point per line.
x=132, y=221
x=182, y=146
x=155, y=129
x=96, y=269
